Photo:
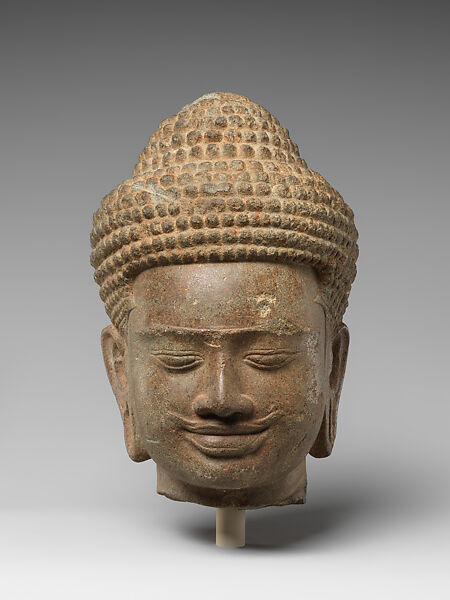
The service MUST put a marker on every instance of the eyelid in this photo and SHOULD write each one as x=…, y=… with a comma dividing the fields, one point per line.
x=173, y=355
x=177, y=353
x=251, y=359
x=269, y=351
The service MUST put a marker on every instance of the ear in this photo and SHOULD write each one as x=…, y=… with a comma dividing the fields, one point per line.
x=325, y=439
x=114, y=352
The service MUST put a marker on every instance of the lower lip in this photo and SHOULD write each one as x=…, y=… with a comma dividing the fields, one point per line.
x=226, y=446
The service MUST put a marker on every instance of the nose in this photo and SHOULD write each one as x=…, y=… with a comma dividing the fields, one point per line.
x=223, y=399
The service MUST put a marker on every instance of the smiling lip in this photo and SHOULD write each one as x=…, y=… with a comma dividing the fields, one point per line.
x=227, y=440
x=231, y=429
x=226, y=446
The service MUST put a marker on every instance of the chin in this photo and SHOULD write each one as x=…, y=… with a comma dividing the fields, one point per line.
x=233, y=473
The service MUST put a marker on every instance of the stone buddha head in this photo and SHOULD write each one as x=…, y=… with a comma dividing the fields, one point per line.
x=225, y=265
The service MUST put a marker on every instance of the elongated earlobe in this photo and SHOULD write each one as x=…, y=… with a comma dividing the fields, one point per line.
x=325, y=439
x=114, y=356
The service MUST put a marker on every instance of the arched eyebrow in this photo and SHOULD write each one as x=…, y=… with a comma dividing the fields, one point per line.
x=158, y=329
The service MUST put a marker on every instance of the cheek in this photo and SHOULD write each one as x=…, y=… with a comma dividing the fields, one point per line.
x=154, y=393
x=298, y=393
x=293, y=390
x=307, y=406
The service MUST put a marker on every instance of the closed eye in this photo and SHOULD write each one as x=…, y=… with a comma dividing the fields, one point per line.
x=178, y=361
x=269, y=359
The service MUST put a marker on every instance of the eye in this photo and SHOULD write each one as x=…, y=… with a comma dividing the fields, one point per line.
x=270, y=359
x=179, y=361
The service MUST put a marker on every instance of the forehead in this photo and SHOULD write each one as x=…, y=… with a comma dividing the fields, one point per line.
x=227, y=295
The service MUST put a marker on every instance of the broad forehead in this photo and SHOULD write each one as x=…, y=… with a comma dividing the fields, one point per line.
x=227, y=295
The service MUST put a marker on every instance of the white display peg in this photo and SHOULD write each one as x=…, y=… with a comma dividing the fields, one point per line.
x=230, y=527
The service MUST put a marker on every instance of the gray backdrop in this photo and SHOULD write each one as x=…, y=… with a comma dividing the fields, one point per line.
x=363, y=88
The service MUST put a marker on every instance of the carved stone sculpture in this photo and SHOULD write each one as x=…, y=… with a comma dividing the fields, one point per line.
x=225, y=265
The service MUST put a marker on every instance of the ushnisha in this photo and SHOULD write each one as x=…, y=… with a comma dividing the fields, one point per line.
x=222, y=181
x=225, y=265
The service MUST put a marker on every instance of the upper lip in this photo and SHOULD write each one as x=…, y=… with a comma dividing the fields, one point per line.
x=237, y=428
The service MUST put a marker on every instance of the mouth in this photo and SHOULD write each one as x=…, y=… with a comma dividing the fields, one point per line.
x=226, y=446
x=219, y=440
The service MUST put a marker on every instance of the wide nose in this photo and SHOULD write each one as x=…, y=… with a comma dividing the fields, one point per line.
x=223, y=398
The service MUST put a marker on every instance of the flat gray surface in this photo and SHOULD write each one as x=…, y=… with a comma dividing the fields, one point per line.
x=363, y=89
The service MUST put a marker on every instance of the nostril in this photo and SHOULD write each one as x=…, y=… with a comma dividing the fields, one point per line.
x=205, y=413
x=237, y=416
x=234, y=409
x=208, y=413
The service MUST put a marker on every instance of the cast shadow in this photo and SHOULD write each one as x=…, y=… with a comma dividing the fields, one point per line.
x=300, y=526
